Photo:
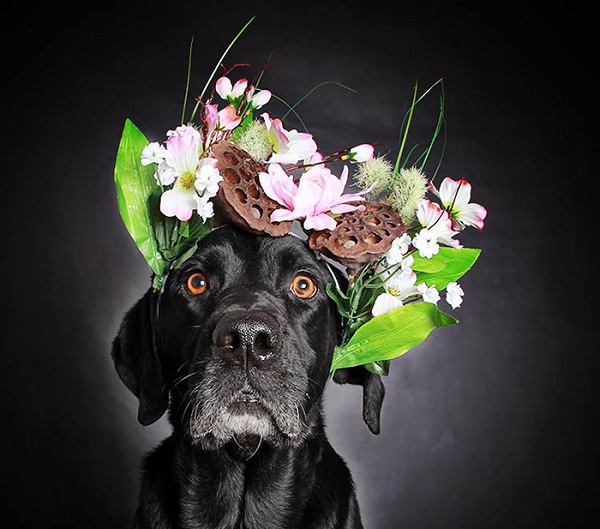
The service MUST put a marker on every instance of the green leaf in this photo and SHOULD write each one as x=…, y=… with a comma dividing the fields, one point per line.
x=135, y=185
x=381, y=367
x=450, y=264
x=430, y=266
x=191, y=250
x=340, y=299
x=390, y=335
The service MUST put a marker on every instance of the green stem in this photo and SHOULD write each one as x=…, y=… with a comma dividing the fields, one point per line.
x=291, y=108
x=217, y=67
x=187, y=83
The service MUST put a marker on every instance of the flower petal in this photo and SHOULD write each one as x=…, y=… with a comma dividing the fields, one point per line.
x=178, y=203
x=385, y=303
x=223, y=87
x=472, y=215
x=320, y=222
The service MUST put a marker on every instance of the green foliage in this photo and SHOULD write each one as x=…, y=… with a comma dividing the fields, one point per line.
x=136, y=186
x=390, y=335
x=165, y=242
x=450, y=264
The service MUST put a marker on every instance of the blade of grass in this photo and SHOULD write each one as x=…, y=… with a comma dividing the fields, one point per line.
x=217, y=66
x=405, y=133
x=291, y=109
x=187, y=83
x=312, y=90
x=438, y=127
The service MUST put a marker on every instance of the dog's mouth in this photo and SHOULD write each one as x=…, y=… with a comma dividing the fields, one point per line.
x=244, y=419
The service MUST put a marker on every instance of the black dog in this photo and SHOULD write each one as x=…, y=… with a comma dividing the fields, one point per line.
x=238, y=347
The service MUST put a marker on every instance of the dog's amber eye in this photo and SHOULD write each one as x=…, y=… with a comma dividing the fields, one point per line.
x=303, y=287
x=197, y=283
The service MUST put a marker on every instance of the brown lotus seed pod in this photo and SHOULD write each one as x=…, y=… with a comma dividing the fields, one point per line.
x=360, y=236
x=241, y=199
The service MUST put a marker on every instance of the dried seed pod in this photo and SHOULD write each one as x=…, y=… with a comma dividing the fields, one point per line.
x=360, y=236
x=241, y=199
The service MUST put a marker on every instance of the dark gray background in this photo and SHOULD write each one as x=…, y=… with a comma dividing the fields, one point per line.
x=486, y=425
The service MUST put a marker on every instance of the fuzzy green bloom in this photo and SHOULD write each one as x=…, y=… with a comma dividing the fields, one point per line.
x=409, y=188
x=376, y=171
x=255, y=141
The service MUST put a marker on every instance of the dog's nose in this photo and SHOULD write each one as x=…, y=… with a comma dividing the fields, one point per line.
x=247, y=339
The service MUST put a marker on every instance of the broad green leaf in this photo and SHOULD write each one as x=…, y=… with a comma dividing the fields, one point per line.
x=456, y=262
x=390, y=335
x=135, y=184
x=432, y=265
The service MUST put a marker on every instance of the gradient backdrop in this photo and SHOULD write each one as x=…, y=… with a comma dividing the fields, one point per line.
x=486, y=425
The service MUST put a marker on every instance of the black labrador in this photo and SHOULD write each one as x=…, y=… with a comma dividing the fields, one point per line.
x=238, y=348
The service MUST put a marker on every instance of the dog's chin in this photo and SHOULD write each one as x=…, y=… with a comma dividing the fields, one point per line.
x=245, y=425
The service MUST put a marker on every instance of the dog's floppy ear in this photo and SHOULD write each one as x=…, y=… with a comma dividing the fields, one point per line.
x=135, y=355
x=373, y=392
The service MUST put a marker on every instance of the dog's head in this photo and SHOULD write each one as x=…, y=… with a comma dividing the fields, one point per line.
x=240, y=343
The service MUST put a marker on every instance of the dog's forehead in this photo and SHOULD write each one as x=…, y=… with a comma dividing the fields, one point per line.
x=236, y=249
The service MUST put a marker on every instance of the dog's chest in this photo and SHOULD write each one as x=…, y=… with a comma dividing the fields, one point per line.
x=240, y=496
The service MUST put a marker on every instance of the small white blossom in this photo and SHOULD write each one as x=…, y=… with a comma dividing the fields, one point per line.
x=165, y=174
x=208, y=178
x=454, y=294
x=398, y=249
x=429, y=294
x=407, y=263
x=204, y=207
x=153, y=153
x=426, y=241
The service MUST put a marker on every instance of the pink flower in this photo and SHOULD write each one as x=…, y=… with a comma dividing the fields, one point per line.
x=437, y=228
x=456, y=196
x=318, y=194
x=218, y=120
x=228, y=118
x=259, y=98
x=289, y=146
x=229, y=92
x=361, y=153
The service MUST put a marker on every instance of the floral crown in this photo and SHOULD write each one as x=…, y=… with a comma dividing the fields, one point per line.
x=395, y=237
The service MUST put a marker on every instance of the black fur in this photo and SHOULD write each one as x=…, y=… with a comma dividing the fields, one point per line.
x=241, y=370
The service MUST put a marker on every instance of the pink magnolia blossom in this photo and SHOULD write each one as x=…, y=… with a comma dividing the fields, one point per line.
x=318, y=194
x=361, y=153
x=258, y=98
x=456, y=196
x=289, y=146
x=227, y=91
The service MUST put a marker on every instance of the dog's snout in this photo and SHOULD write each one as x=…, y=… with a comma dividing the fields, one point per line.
x=248, y=339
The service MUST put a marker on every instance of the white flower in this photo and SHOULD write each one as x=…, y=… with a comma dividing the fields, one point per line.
x=153, y=153
x=207, y=177
x=406, y=265
x=398, y=288
x=204, y=207
x=399, y=247
x=426, y=241
x=454, y=294
x=165, y=174
x=429, y=294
